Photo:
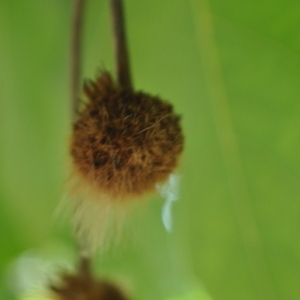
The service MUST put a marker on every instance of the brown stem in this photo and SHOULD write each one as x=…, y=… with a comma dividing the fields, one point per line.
x=78, y=13
x=121, y=53
x=85, y=268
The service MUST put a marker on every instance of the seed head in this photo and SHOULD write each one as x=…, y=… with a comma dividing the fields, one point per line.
x=124, y=142
x=81, y=287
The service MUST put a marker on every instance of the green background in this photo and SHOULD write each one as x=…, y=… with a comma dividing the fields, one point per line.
x=232, y=70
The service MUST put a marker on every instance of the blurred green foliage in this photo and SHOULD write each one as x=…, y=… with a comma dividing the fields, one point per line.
x=232, y=69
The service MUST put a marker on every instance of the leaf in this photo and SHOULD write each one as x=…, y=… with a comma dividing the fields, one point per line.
x=252, y=95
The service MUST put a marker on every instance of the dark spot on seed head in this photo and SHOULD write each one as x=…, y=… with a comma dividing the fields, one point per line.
x=100, y=158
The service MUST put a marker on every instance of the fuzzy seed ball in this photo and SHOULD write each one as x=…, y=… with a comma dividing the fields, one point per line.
x=124, y=142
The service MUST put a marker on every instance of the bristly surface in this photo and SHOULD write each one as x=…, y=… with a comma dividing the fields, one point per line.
x=124, y=142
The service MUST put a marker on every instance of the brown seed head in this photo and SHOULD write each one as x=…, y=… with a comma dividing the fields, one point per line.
x=80, y=287
x=125, y=142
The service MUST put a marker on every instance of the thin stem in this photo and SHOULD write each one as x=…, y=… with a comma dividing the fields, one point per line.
x=76, y=55
x=78, y=15
x=80, y=236
x=85, y=268
x=121, y=52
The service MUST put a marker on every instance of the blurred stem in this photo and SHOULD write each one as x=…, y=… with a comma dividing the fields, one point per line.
x=76, y=48
x=78, y=14
x=229, y=146
x=85, y=268
x=121, y=52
